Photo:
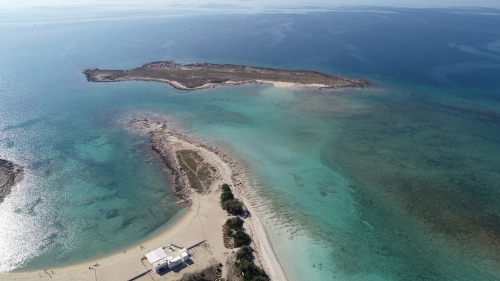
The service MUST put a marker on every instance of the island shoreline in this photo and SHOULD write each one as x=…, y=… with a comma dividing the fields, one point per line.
x=190, y=77
x=228, y=171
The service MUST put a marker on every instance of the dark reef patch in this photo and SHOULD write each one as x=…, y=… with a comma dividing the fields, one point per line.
x=218, y=115
x=431, y=168
x=112, y=214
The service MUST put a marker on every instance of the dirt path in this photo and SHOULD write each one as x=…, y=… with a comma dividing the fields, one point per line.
x=195, y=173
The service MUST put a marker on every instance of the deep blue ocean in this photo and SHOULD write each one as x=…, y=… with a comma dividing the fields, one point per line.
x=395, y=181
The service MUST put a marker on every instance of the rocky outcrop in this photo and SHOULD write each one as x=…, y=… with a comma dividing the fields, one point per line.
x=9, y=175
x=161, y=146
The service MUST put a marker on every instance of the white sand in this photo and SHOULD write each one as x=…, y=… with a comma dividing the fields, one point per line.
x=178, y=85
x=293, y=85
x=203, y=222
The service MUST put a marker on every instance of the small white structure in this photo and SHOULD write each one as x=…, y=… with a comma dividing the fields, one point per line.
x=162, y=261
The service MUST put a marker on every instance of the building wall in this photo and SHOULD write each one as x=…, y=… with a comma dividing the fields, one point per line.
x=157, y=268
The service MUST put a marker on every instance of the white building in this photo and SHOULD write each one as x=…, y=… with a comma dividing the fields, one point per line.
x=162, y=261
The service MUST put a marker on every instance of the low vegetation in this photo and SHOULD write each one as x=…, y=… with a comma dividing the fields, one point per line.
x=234, y=236
x=233, y=207
x=226, y=195
x=198, y=171
x=229, y=203
x=247, y=268
x=242, y=266
x=210, y=273
x=235, y=223
x=240, y=238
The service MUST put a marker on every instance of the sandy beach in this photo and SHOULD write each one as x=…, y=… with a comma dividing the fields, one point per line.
x=199, y=230
x=279, y=84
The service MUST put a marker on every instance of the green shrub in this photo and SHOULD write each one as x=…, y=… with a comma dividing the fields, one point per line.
x=226, y=195
x=245, y=253
x=194, y=277
x=240, y=238
x=229, y=232
x=233, y=207
x=245, y=264
x=225, y=187
x=203, y=275
x=234, y=223
x=251, y=271
x=259, y=278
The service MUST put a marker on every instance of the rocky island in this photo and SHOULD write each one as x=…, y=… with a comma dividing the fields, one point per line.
x=206, y=75
x=9, y=175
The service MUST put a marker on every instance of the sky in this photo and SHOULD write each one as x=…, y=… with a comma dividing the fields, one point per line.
x=256, y=5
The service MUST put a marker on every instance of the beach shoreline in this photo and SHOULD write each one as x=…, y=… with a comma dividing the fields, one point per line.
x=68, y=270
x=202, y=224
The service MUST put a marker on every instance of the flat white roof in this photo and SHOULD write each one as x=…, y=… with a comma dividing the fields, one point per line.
x=161, y=262
x=156, y=255
x=174, y=260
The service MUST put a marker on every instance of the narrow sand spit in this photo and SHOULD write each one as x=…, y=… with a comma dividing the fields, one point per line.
x=202, y=223
x=292, y=85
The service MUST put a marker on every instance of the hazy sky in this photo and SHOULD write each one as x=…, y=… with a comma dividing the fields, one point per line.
x=254, y=4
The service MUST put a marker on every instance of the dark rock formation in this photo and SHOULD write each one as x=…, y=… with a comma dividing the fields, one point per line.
x=9, y=175
x=161, y=146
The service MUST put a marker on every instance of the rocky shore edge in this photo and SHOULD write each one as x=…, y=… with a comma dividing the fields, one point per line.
x=160, y=145
x=10, y=174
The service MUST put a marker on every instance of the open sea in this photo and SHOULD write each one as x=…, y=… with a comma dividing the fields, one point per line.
x=395, y=181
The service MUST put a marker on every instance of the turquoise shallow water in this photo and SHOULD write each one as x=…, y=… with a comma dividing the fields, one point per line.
x=397, y=181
